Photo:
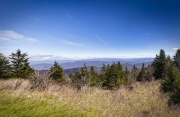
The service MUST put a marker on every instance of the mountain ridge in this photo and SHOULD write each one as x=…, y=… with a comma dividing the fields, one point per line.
x=71, y=67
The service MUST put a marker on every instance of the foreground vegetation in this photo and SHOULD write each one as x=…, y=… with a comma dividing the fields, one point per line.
x=18, y=99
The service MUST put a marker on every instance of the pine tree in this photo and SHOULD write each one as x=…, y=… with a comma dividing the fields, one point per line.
x=57, y=73
x=85, y=75
x=76, y=79
x=114, y=76
x=102, y=75
x=171, y=84
x=149, y=73
x=20, y=65
x=127, y=73
x=4, y=67
x=94, y=77
x=111, y=76
x=142, y=74
x=159, y=65
x=134, y=74
x=177, y=60
x=121, y=75
x=103, y=69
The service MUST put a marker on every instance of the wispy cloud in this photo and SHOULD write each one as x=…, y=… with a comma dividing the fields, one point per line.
x=160, y=42
x=80, y=38
x=4, y=39
x=32, y=39
x=164, y=41
x=34, y=18
x=102, y=40
x=175, y=48
x=71, y=17
x=109, y=49
x=9, y=35
x=72, y=43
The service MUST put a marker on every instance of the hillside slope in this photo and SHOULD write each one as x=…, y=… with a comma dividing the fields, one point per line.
x=144, y=100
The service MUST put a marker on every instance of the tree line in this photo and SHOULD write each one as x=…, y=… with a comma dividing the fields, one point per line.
x=111, y=77
x=16, y=66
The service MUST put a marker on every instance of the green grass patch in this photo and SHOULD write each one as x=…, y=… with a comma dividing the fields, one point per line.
x=12, y=106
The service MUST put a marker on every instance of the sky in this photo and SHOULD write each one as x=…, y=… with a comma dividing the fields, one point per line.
x=81, y=29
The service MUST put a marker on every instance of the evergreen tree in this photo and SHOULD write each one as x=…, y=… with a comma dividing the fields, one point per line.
x=4, y=67
x=127, y=73
x=177, y=60
x=111, y=76
x=159, y=65
x=102, y=76
x=149, y=73
x=85, y=75
x=94, y=77
x=20, y=65
x=57, y=73
x=171, y=85
x=114, y=76
x=103, y=69
x=121, y=74
x=134, y=74
x=142, y=74
x=168, y=61
x=76, y=79
x=171, y=81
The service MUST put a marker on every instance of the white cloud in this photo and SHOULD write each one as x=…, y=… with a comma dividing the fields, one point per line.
x=32, y=39
x=39, y=57
x=175, y=48
x=9, y=35
x=34, y=18
x=72, y=43
x=35, y=57
x=102, y=40
x=4, y=39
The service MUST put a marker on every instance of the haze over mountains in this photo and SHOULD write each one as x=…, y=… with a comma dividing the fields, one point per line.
x=74, y=65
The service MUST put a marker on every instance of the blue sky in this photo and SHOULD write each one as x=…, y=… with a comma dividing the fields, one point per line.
x=59, y=29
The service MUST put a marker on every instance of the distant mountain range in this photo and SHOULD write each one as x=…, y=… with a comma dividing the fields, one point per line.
x=122, y=60
x=71, y=66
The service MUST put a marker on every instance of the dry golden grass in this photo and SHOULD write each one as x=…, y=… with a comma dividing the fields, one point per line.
x=14, y=84
x=143, y=100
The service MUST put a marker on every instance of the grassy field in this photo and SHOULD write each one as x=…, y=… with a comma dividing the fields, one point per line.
x=145, y=100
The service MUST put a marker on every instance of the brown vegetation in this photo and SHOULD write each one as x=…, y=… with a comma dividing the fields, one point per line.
x=144, y=99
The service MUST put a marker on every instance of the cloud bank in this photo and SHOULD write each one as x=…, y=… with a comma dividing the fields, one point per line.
x=175, y=48
x=38, y=57
x=9, y=35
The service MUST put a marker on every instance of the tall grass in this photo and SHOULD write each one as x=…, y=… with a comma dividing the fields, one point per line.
x=16, y=96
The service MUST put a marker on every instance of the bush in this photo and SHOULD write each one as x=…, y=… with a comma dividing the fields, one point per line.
x=39, y=82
